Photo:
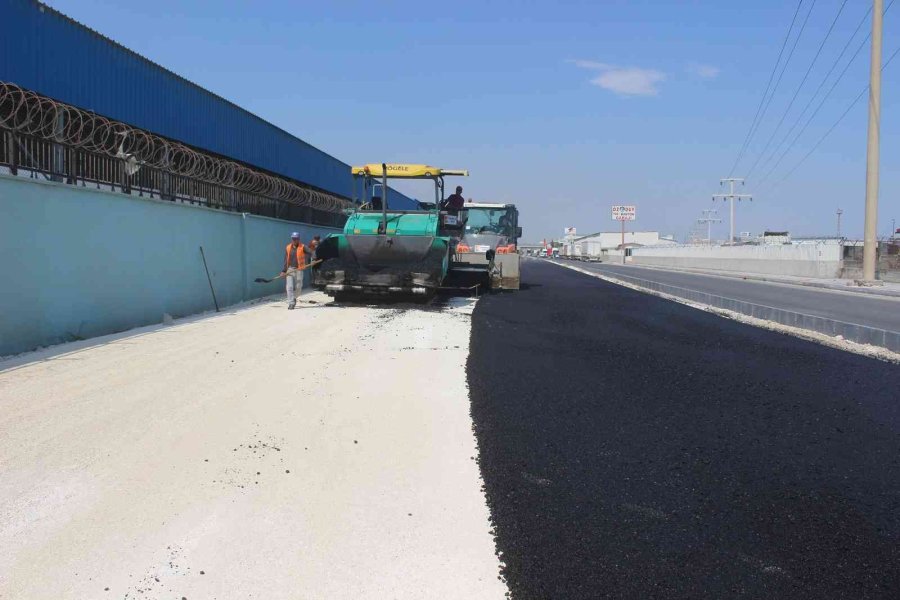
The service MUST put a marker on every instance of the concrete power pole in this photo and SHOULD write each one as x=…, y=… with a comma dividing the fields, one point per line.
x=709, y=217
x=732, y=196
x=870, y=232
x=839, y=213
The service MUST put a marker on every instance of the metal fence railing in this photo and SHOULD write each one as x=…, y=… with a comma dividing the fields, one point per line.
x=39, y=158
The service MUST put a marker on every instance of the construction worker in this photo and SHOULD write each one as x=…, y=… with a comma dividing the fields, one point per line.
x=313, y=245
x=454, y=202
x=294, y=263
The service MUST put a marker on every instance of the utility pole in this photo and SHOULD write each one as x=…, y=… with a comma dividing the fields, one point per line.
x=732, y=196
x=839, y=213
x=870, y=231
x=696, y=234
x=710, y=216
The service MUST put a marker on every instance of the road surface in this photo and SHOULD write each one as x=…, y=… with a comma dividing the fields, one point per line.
x=262, y=453
x=629, y=447
x=880, y=312
x=634, y=447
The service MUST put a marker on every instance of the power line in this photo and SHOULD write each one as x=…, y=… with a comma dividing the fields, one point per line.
x=819, y=107
x=799, y=87
x=766, y=93
x=784, y=67
x=832, y=128
x=819, y=89
x=815, y=112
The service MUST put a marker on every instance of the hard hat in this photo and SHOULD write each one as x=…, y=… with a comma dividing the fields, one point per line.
x=295, y=235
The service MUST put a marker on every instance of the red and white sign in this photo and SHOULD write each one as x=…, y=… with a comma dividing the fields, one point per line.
x=624, y=213
x=570, y=231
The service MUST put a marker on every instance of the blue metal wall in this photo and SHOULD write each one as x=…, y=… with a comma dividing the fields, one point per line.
x=49, y=53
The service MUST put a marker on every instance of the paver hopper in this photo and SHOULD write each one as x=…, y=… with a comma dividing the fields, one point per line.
x=385, y=251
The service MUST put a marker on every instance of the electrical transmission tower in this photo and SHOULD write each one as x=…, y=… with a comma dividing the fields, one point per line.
x=695, y=235
x=732, y=197
x=710, y=216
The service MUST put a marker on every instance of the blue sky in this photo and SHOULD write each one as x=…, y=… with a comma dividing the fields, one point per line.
x=564, y=108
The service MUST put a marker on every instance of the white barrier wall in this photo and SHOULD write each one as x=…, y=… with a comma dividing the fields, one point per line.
x=821, y=260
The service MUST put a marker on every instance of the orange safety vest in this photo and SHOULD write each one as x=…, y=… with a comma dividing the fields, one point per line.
x=301, y=256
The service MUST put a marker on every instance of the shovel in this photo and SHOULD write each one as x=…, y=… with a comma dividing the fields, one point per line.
x=281, y=275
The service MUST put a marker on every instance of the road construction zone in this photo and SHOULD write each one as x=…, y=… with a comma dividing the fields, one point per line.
x=448, y=244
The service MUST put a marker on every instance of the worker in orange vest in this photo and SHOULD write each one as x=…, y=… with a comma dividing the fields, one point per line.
x=294, y=264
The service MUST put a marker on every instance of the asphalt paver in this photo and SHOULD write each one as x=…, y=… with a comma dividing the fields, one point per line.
x=633, y=447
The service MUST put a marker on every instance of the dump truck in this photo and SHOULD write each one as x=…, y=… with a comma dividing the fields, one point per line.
x=384, y=251
x=486, y=253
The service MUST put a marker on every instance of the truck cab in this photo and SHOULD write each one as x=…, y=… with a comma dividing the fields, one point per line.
x=486, y=248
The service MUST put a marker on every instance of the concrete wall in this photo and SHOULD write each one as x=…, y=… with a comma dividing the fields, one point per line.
x=79, y=262
x=807, y=260
x=887, y=267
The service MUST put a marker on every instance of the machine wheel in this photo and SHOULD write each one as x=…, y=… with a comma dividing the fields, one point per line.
x=344, y=297
x=426, y=298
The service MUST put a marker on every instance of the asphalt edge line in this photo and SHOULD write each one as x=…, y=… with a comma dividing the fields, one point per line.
x=836, y=342
x=739, y=301
x=772, y=280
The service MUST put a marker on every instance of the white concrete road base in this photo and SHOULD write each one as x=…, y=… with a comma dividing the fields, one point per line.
x=323, y=452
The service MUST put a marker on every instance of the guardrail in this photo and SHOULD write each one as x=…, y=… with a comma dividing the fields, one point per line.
x=861, y=334
x=36, y=157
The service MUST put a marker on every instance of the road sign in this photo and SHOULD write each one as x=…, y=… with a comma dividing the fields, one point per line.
x=570, y=231
x=624, y=213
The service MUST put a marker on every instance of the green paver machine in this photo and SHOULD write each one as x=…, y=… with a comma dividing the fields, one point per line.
x=390, y=252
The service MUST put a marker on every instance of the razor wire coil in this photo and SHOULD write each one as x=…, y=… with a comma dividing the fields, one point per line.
x=30, y=113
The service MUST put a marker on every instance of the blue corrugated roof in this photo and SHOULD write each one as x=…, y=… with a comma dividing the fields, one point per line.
x=52, y=54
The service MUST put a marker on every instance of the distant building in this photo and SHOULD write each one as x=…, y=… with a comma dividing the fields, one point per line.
x=602, y=242
x=775, y=237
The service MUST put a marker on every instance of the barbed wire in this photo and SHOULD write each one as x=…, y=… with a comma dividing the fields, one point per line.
x=30, y=113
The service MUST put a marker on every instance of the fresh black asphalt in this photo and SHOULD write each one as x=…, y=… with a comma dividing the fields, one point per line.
x=633, y=447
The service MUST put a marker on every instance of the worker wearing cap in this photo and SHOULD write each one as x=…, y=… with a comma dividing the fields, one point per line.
x=294, y=263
